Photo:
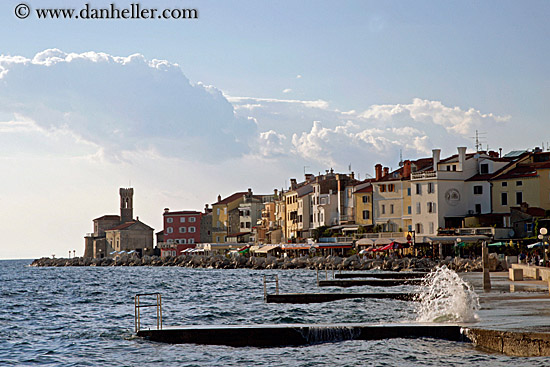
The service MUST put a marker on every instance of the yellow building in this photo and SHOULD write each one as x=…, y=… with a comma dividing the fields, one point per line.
x=363, y=206
x=392, y=203
x=225, y=215
x=526, y=180
x=291, y=216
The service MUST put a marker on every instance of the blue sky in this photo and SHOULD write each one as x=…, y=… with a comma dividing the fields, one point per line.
x=288, y=84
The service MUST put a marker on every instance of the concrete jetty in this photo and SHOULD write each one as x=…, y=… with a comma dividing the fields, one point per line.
x=385, y=275
x=329, y=297
x=371, y=282
x=297, y=334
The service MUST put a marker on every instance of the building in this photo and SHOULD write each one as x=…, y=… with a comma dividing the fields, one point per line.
x=363, y=204
x=115, y=233
x=449, y=190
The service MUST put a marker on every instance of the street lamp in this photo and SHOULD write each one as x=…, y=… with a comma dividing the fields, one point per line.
x=543, y=236
x=458, y=240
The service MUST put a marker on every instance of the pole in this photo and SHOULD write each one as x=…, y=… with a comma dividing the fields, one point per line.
x=485, y=260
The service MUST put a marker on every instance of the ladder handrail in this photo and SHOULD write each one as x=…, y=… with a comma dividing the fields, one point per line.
x=138, y=306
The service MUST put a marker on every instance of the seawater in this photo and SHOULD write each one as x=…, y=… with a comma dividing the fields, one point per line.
x=84, y=316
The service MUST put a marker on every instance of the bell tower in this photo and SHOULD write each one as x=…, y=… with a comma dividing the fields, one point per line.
x=126, y=204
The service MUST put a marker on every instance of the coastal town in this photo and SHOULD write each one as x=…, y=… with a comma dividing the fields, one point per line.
x=428, y=207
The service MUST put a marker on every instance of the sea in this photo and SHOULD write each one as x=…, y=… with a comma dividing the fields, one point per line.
x=84, y=316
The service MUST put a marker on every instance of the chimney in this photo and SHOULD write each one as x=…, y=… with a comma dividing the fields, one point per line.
x=461, y=158
x=293, y=183
x=205, y=208
x=378, y=171
x=436, y=155
x=309, y=176
x=166, y=210
x=276, y=193
x=386, y=171
x=249, y=191
x=406, y=168
x=219, y=198
x=352, y=175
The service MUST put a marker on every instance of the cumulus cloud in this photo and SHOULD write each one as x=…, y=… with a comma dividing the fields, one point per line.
x=123, y=104
x=315, y=132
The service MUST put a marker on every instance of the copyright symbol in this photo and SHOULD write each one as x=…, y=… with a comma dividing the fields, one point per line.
x=22, y=11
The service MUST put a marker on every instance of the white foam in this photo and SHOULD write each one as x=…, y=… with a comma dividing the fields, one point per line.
x=445, y=297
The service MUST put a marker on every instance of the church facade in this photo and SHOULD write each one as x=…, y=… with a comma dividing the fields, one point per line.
x=115, y=233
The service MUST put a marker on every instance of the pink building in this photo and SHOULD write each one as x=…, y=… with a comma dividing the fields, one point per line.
x=181, y=231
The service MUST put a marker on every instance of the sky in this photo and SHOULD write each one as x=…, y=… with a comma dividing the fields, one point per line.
x=248, y=95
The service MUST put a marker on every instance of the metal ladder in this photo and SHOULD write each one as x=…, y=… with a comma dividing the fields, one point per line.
x=275, y=279
x=138, y=306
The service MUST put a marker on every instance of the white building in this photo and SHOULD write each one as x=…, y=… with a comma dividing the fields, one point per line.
x=454, y=188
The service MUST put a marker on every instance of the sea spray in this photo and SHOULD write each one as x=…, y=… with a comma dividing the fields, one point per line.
x=446, y=297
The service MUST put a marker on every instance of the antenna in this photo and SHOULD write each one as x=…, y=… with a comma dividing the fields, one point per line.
x=349, y=167
x=400, y=157
x=305, y=169
x=479, y=141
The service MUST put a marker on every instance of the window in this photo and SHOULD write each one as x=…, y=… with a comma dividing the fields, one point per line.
x=169, y=220
x=382, y=188
x=192, y=219
x=504, y=184
x=183, y=240
x=217, y=239
x=409, y=227
x=519, y=198
x=431, y=188
x=448, y=168
x=478, y=208
x=431, y=227
x=484, y=168
x=478, y=190
x=409, y=210
x=191, y=240
x=391, y=208
x=366, y=199
x=242, y=224
x=418, y=211
x=418, y=227
x=504, y=198
x=418, y=189
x=225, y=210
x=391, y=187
x=248, y=224
x=218, y=211
x=454, y=167
x=366, y=214
x=383, y=209
x=431, y=207
x=519, y=183
x=182, y=219
x=408, y=191
x=169, y=230
x=183, y=229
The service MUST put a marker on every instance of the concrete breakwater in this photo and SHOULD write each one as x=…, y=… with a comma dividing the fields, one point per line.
x=353, y=262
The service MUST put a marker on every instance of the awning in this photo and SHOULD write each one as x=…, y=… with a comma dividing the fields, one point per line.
x=538, y=244
x=498, y=244
x=266, y=249
x=322, y=246
x=365, y=242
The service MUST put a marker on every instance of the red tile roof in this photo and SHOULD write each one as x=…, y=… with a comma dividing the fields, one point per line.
x=123, y=226
x=364, y=189
x=183, y=212
x=109, y=217
x=231, y=198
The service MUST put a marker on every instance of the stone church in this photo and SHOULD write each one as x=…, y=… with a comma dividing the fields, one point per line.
x=115, y=233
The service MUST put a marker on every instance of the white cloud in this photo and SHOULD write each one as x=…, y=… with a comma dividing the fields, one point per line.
x=287, y=90
x=123, y=104
x=298, y=76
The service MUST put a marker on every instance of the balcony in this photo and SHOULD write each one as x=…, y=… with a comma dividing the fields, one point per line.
x=423, y=175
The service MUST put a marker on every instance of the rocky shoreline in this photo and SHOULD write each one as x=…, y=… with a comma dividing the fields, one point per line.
x=322, y=263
